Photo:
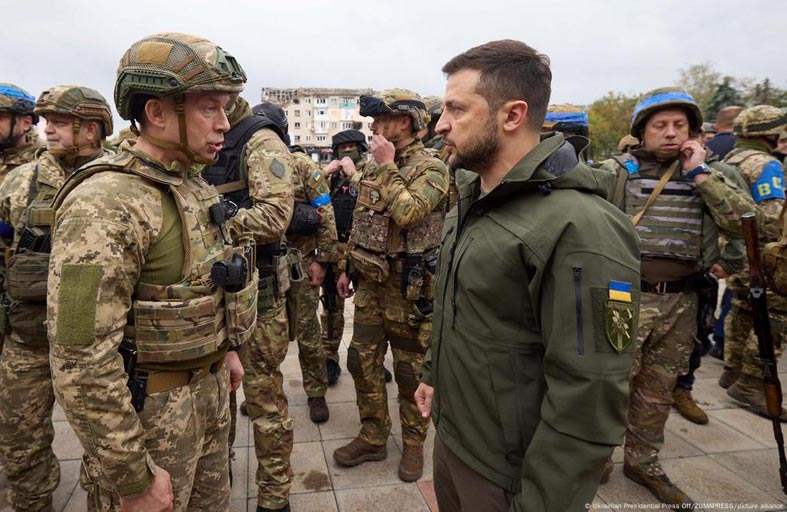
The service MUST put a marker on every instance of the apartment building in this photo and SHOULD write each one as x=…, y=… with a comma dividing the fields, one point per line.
x=316, y=114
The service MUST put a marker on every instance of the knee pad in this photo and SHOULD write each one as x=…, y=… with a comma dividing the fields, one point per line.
x=354, y=362
x=405, y=378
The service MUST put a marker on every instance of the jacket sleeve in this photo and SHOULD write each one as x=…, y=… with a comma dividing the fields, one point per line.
x=102, y=232
x=270, y=171
x=726, y=202
x=585, y=407
x=409, y=204
x=320, y=197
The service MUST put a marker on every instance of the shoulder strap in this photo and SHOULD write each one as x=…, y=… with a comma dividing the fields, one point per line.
x=31, y=193
x=656, y=192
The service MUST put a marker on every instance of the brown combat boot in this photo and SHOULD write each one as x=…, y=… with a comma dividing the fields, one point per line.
x=411, y=468
x=318, y=410
x=728, y=377
x=687, y=407
x=749, y=391
x=359, y=451
x=660, y=486
x=607, y=471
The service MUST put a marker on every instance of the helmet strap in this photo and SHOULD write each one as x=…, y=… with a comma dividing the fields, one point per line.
x=11, y=141
x=70, y=154
x=183, y=145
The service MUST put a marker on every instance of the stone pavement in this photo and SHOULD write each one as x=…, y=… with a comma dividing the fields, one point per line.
x=731, y=460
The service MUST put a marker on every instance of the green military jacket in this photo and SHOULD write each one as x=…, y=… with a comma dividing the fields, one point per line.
x=530, y=359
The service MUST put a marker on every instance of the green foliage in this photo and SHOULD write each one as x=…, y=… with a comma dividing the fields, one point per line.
x=609, y=119
x=724, y=96
x=701, y=81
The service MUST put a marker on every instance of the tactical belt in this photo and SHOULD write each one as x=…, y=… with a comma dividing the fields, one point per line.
x=397, y=263
x=160, y=382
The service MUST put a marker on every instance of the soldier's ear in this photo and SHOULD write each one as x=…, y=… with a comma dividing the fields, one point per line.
x=157, y=111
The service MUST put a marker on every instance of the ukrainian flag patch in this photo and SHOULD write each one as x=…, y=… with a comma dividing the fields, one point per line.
x=317, y=176
x=620, y=291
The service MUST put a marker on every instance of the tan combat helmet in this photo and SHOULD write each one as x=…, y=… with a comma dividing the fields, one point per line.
x=759, y=121
x=397, y=101
x=82, y=104
x=170, y=65
x=660, y=99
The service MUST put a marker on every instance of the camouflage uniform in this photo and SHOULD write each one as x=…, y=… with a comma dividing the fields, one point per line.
x=671, y=261
x=17, y=101
x=266, y=202
x=26, y=396
x=132, y=252
x=321, y=247
x=401, y=206
x=765, y=175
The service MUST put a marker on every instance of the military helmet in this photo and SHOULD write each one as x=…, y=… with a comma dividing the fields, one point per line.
x=171, y=64
x=396, y=101
x=17, y=100
x=566, y=114
x=627, y=142
x=434, y=106
x=77, y=101
x=278, y=116
x=659, y=99
x=760, y=120
x=347, y=136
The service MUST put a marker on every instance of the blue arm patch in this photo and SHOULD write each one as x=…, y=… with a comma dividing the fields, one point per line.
x=6, y=231
x=321, y=200
x=632, y=166
x=770, y=184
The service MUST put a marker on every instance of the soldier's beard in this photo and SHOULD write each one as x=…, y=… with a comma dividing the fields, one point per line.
x=481, y=151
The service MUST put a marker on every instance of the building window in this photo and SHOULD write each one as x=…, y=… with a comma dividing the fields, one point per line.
x=348, y=100
x=297, y=113
x=369, y=137
x=297, y=125
x=309, y=138
x=334, y=101
x=321, y=138
x=321, y=112
x=333, y=126
x=297, y=138
x=346, y=126
x=321, y=125
x=308, y=100
x=320, y=101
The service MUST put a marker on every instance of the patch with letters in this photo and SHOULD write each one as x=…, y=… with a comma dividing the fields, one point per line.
x=277, y=169
x=619, y=315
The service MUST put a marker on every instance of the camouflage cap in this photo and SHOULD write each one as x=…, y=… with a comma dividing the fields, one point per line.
x=397, y=101
x=759, y=120
x=627, y=142
x=565, y=113
x=78, y=101
x=15, y=99
x=170, y=64
x=663, y=98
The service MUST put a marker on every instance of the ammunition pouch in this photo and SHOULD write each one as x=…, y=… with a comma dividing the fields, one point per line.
x=305, y=220
x=413, y=276
x=5, y=319
x=28, y=321
x=370, y=230
x=241, y=311
x=371, y=266
x=427, y=234
x=295, y=266
x=27, y=274
x=273, y=274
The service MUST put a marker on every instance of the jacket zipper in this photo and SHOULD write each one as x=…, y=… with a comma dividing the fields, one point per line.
x=578, y=303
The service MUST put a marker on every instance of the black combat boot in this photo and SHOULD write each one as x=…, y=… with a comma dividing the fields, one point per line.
x=334, y=370
x=285, y=508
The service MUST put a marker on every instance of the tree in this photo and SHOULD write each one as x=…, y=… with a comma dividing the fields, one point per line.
x=724, y=96
x=609, y=119
x=701, y=81
x=763, y=93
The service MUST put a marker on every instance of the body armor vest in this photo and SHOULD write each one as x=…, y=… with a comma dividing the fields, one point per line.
x=672, y=226
x=28, y=264
x=193, y=317
x=228, y=168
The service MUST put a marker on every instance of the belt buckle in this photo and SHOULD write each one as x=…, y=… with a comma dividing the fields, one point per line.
x=661, y=288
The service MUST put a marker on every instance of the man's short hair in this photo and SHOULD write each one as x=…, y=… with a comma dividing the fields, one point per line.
x=510, y=70
x=726, y=116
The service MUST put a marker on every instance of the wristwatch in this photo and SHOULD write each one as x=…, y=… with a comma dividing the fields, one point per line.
x=703, y=168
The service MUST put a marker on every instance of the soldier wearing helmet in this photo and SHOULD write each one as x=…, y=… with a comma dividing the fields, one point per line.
x=77, y=121
x=18, y=136
x=256, y=172
x=149, y=294
x=757, y=130
x=667, y=185
x=567, y=119
x=402, y=200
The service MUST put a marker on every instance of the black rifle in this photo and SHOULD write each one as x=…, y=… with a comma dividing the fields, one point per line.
x=762, y=328
x=329, y=297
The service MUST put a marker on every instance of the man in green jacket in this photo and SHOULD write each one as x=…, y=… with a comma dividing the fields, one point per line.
x=535, y=308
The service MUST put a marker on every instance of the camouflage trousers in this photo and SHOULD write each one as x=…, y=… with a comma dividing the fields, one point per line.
x=267, y=405
x=381, y=316
x=186, y=433
x=330, y=344
x=310, y=351
x=26, y=431
x=665, y=339
x=741, y=349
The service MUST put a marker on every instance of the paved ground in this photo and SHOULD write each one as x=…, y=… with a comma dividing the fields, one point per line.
x=730, y=463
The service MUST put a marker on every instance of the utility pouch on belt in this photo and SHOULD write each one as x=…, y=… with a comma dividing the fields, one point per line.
x=371, y=266
x=5, y=324
x=413, y=277
x=27, y=276
x=241, y=305
x=295, y=265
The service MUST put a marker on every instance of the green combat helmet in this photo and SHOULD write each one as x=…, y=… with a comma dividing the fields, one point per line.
x=760, y=120
x=170, y=65
x=397, y=101
x=81, y=103
x=434, y=107
x=18, y=101
x=660, y=99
